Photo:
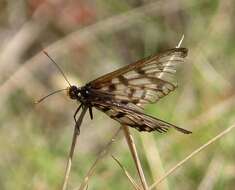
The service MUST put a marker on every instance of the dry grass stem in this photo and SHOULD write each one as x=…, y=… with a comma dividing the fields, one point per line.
x=72, y=148
x=132, y=147
x=101, y=155
x=132, y=181
x=191, y=155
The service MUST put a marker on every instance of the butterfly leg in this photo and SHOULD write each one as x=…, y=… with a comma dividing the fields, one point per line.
x=81, y=116
x=76, y=112
x=90, y=112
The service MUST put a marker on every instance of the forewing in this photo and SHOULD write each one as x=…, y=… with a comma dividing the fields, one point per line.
x=144, y=81
x=135, y=119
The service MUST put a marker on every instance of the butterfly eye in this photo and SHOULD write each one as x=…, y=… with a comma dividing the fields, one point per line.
x=73, y=92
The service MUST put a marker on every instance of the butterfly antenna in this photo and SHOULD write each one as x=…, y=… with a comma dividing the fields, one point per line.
x=43, y=98
x=58, y=67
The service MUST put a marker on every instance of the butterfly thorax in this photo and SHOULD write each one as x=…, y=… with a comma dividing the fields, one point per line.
x=80, y=94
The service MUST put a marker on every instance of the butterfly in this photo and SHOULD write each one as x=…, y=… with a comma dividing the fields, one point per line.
x=122, y=94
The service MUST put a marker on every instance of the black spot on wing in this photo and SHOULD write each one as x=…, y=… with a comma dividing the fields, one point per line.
x=123, y=80
x=140, y=71
x=120, y=115
x=104, y=109
x=112, y=87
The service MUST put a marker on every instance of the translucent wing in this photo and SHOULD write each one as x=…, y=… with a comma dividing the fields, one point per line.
x=145, y=81
x=133, y=118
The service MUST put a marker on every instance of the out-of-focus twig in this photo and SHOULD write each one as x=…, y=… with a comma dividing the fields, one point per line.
x=201, y=62
x=17, y=46
x=21, y=41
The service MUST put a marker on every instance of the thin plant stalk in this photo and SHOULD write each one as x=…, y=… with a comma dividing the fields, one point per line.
x=132, y=147
x=154, y=160
x=217, y=137
x=132, y=181
x=72, y=148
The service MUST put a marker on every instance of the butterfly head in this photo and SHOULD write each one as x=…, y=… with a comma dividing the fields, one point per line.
x=73, y=92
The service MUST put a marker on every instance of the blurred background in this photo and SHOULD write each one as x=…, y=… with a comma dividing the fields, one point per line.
x=88, y=39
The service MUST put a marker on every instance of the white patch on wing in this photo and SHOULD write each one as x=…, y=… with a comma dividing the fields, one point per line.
x=127, y=91
x=141, y=81
x=165, y=89
x=176, y=56
x=149, y=71
x=153, y=86
x=159, y=94
x=149, y=67
x=158, y=70
x=131, y=74
x=126, y=120
x=169, y=86
x=138, y=93
x=110, y=112
x=115, y=81
x=120, y=87
x=148, y=129
x=121, y=97
x=105, y=88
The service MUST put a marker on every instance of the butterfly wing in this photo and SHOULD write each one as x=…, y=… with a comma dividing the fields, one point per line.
x=134, y=118
x=145, y=81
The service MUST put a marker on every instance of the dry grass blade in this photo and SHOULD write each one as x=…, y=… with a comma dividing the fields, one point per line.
x=135, y=185
x=69, y=161
x=102, y=153
x=135, y=156
x=153, y=157
x=191, y=155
